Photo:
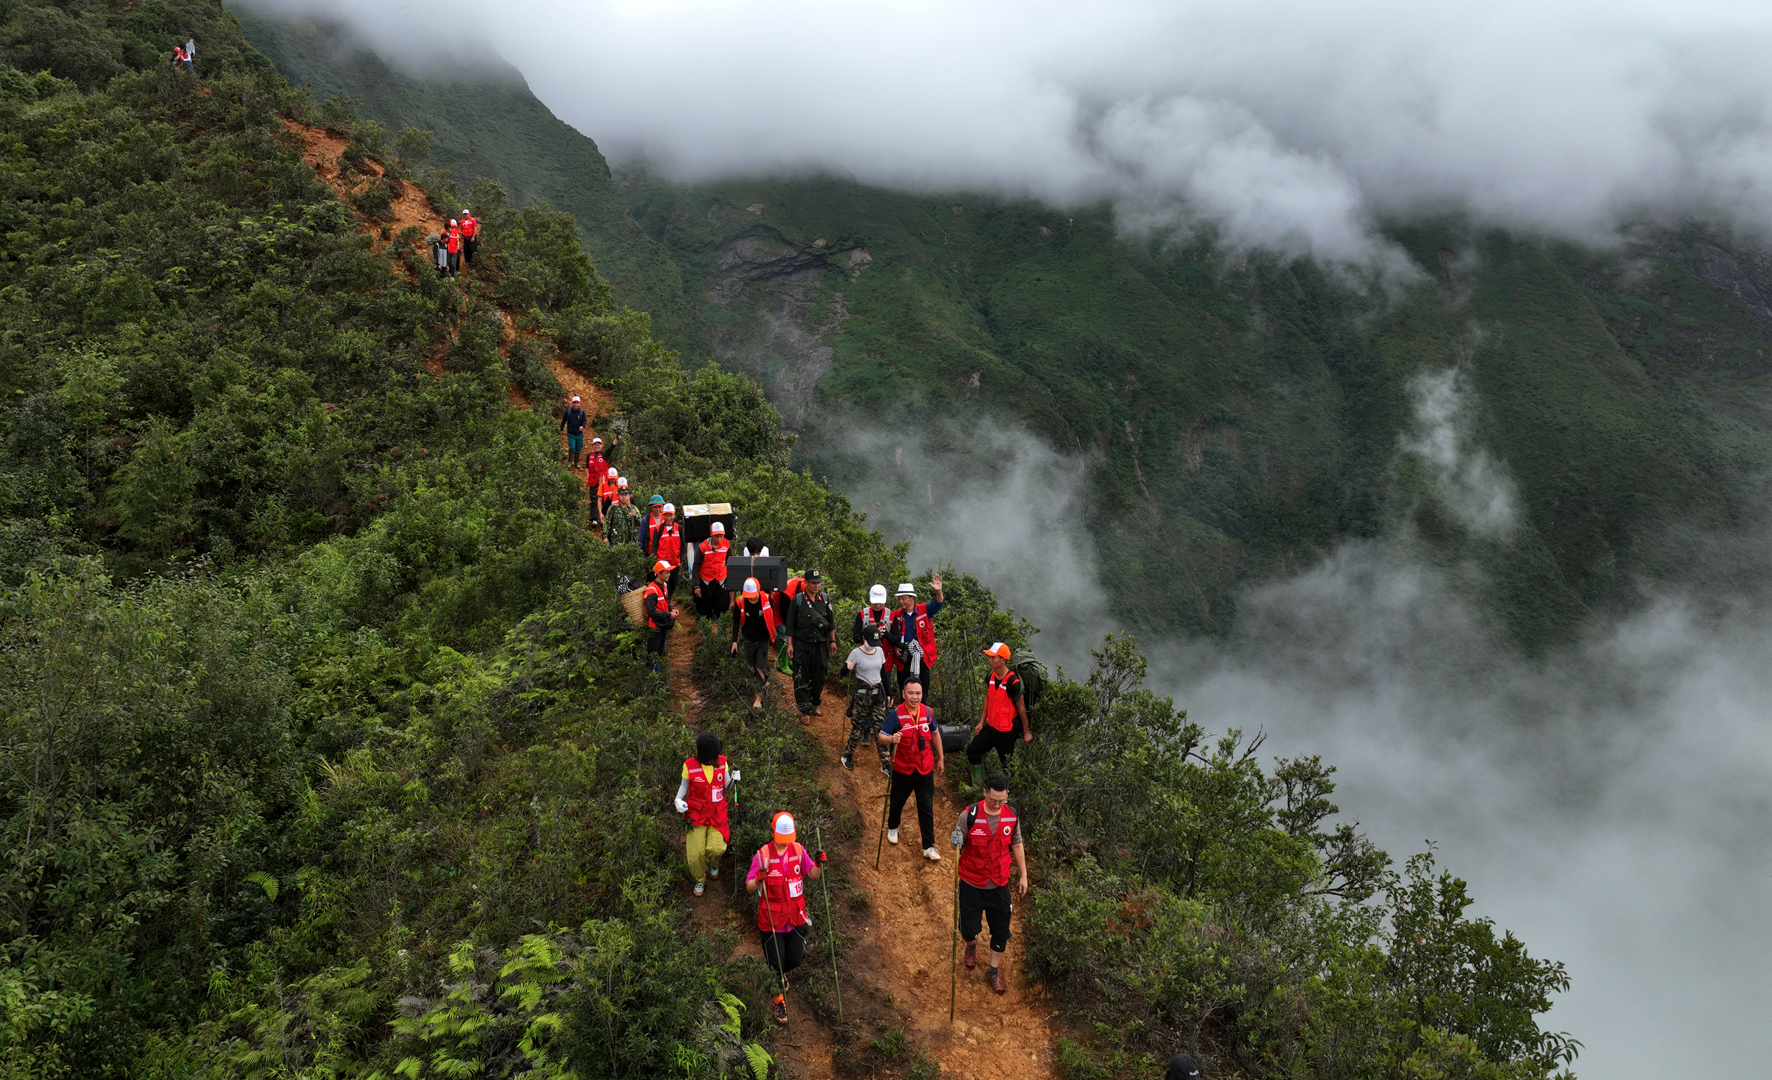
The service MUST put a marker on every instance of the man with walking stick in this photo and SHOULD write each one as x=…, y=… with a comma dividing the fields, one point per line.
x=778, y=873
x=988, y=836
x=917, y=758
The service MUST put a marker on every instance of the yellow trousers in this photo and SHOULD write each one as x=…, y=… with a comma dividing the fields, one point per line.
x=705, y=846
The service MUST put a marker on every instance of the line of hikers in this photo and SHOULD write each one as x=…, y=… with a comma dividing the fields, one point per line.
x=891, y=666
x=454, y=246
x=185, y=55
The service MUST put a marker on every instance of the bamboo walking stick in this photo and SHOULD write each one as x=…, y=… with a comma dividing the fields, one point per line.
x=830, y=927
x=881, y=846
x=954, y=943
x=769, y=913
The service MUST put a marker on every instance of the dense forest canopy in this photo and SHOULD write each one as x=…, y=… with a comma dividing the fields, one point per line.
x=328, y=750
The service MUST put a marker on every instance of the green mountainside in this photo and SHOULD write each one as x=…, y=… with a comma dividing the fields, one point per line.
x=1242, y=415
x=328, y=751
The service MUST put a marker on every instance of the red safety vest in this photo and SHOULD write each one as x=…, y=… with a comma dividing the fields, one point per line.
x=707, y=800
x=653, y=588
x=454, y=240
x=470, y=227
x=713, y=559
x=768, y=614
x=784, y=889
x=607, y=488
x=868, y=618
x=924, y=628
x=596, y=468
x=999, y=709
x=667, y=543
x=988, y=854
x=915, y=752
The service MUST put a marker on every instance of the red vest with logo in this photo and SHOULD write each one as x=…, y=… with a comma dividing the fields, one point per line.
x=707, y=800
x=868, y=618
x=470, y=227
x=667, y=543
x=999, y=708
x=784, y=889
x=917, y=621
x=454, y=240
x=987, y=856
x=713, y=559
x=915, y=752
x=596, y=468
x=653, y=589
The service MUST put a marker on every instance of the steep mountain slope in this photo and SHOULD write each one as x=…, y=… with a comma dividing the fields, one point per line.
x=484, y=123
x=1563, y=420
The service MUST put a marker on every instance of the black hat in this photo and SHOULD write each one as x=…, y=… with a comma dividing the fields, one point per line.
x=871, y=634
x=814, y=577
x=707, y=748
x=1181, y=1067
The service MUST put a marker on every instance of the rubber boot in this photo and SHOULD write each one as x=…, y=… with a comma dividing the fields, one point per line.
x=978, y=777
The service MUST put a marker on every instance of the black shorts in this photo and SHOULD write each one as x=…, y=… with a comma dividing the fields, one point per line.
x=978, y=904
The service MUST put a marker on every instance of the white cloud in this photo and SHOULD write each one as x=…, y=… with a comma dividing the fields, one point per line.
x=1293, y=125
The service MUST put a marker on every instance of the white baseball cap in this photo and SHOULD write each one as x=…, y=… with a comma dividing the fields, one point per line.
x=718, y=526
x=877, y=594
x=670, y=508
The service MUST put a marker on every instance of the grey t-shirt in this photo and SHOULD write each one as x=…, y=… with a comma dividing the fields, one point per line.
x=867, y=668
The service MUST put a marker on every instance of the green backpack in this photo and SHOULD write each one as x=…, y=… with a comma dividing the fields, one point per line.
x=1033, y=678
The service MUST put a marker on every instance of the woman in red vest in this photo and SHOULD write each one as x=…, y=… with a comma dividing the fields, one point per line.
x=779, y=873
x=453, y=243
x=988, y=835
x=608, y=490
x=916, y=759
x=660, y=616
x=703, y=795
x=667, y=544
x=753, y=623
x=711, y=598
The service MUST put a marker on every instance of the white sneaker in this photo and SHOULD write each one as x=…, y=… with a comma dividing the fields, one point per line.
x=892, y=836
x=713, y=871
x=931, y=854
x=701, y=887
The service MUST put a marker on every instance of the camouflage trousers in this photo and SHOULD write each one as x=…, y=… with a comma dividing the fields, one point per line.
x=866, y=713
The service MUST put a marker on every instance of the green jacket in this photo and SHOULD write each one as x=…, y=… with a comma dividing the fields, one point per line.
x=621, y=524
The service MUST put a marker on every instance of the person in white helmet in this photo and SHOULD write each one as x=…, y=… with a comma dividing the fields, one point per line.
x=875, y=613
x=753, y=626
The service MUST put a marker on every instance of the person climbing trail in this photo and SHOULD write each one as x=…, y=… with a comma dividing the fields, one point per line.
x=711, y=597
x=875, y=613
x=470, y=236
x=650, y=523
x=753, y=627
x=704, y=795
x=573, y=422
x=812, y=643
x=913, y=626
x=667, y=544
x=660, y=616
x=439, y=254
x=179, y=59
x=190, y=53
x=608, y=490
x=783, y=601
x=1004, y=720
x=987, y=837
x=778, y=873
x=452, y=241
x=867, y=697
x=917, y=757
x=623, y=517
x=597, y=463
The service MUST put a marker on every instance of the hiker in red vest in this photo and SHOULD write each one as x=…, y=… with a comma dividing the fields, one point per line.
x=876, y=614
x=1004, y=721
x=913, y=626
x=453, y=243
x=917, y=758
x=470, y=236
x=660, y=616
x=711, y=597
x=779, y=873
x=667, y=544
x=608, y=490
x=703, y=795
x=753, y=624
x=988, y=834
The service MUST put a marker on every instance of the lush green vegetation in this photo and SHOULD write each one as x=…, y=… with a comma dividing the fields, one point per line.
x=328, y=751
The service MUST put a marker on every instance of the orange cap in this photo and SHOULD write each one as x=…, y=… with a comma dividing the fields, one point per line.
x=752, y=587
x=662, y=567
x=783, y=828
x=998, y=649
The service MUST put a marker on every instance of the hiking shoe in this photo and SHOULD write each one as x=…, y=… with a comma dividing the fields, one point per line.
x=931, y=854
x=780, y=1009
x=971, y=957
x=713, y=871
x=701, y=887
x=892, y=836
x=995, y=978
x=885, y=770
x=848, y=762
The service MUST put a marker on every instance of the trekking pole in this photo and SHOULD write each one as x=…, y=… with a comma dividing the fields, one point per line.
x=830, y=927
x=780, y=961
x=954, y=942
x=881, y=846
